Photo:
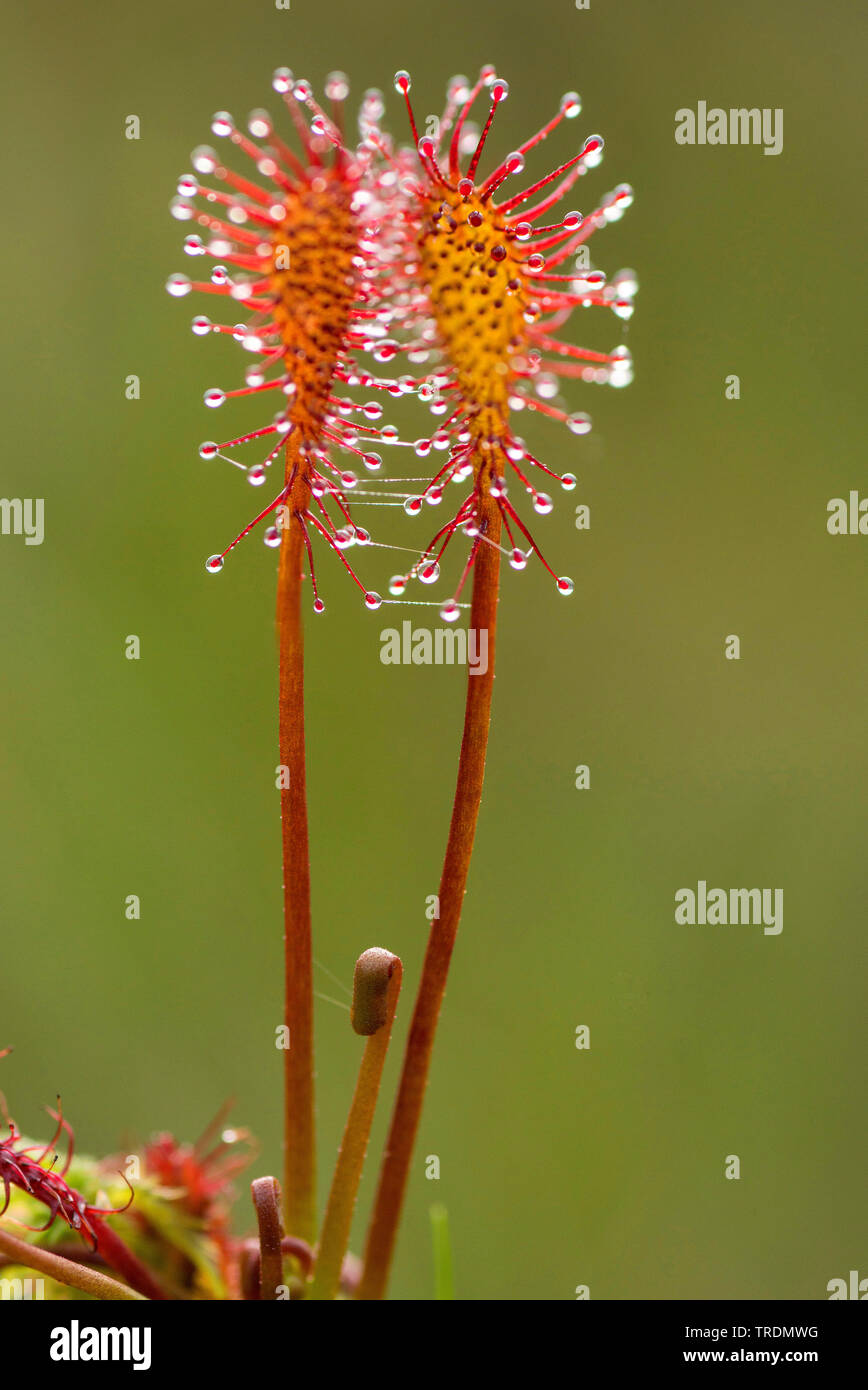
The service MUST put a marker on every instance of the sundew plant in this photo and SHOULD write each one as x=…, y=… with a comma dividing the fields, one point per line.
x=352, y=271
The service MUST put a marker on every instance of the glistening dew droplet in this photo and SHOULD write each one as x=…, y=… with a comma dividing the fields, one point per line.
x=222, y=124
x=178, y=286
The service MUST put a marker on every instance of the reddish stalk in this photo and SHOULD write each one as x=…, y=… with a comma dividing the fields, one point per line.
x=266, y=1200
x=299, y=1185
x=459, y=847
x=118, y=1254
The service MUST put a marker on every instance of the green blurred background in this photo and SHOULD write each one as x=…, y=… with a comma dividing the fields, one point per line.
x=156, y=777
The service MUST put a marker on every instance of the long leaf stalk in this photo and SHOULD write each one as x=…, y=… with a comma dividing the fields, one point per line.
x=299, y=1184
x=377, y=985
x=398, y=1154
